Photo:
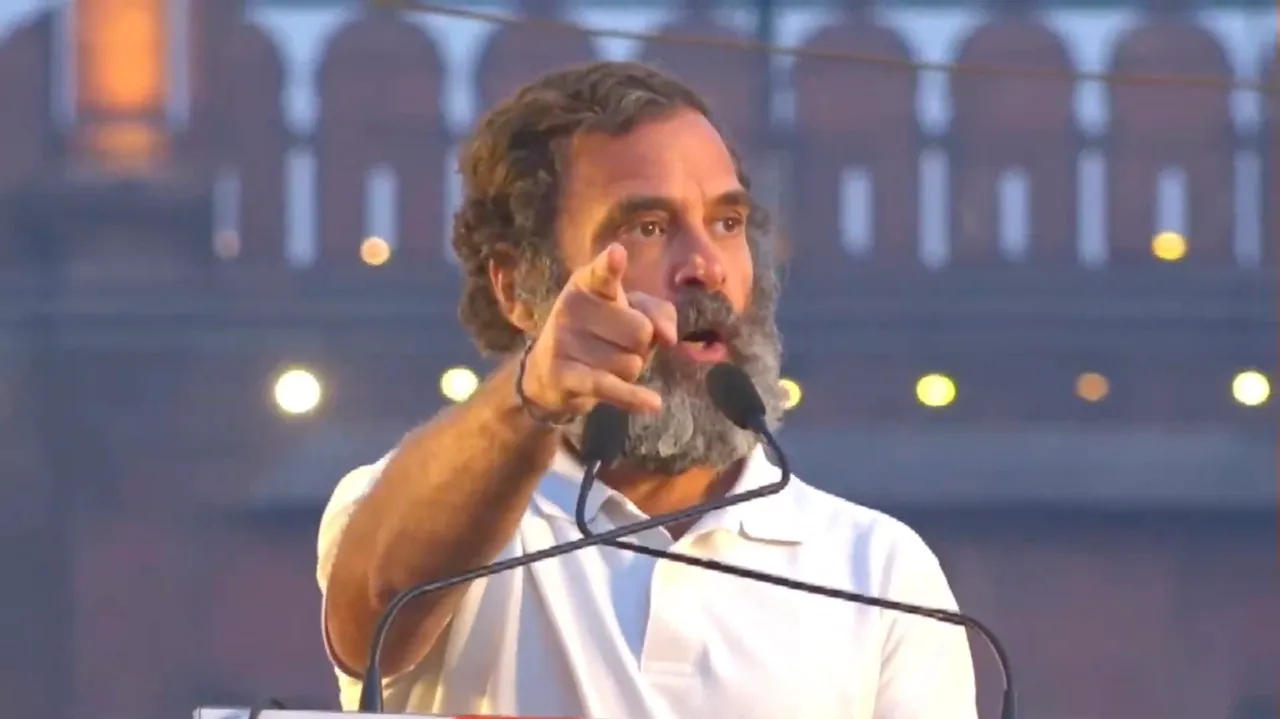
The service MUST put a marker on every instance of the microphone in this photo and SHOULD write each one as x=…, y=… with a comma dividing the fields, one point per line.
x=733, y=393
x=604, y=435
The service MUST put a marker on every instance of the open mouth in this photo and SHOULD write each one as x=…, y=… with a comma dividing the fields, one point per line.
x=702, y=337
x=704, y=346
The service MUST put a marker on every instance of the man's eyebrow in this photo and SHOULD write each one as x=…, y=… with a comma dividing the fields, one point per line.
x=733, y=198
x=625, y=209
x=632, y=205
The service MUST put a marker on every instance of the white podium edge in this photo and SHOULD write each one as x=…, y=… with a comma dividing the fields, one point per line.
x=244, y=712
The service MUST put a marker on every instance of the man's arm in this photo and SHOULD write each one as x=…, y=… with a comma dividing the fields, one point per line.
x=452, y=495
x=448, y=500
x=926, y=669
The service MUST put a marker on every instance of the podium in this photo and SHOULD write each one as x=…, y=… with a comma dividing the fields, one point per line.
x=245, y=713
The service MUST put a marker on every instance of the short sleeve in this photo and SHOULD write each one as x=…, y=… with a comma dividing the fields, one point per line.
x=415, y=689
x=346, y=497
x=926, y=665
x=398, y=690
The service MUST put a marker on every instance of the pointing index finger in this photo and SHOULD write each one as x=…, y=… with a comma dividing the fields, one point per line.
x=603, y=277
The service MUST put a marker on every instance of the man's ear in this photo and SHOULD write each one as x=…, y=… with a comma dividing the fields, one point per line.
x=502, y=278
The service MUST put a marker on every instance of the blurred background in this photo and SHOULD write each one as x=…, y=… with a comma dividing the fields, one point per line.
x=1031, y=310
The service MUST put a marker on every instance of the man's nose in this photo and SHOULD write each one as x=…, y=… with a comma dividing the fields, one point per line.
x=699, y=264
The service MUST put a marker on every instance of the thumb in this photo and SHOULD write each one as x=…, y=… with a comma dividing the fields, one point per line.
x=603, y=276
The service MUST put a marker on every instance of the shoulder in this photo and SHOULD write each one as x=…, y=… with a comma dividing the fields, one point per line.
x=879, y=547
x=871, y=529
x=352, y=488
x=347, y=494
x=890, y=560
x=355, y=484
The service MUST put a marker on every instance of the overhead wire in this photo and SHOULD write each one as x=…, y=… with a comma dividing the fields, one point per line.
x=751, y=45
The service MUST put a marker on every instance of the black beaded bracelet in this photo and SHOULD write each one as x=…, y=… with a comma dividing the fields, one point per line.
x=534, y=413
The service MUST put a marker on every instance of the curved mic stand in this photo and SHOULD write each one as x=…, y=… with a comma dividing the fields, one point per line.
x=1008, y=701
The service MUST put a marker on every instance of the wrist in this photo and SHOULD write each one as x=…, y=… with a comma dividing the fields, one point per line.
x=535, y=410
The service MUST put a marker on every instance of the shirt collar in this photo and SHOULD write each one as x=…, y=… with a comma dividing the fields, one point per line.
x=774, y=518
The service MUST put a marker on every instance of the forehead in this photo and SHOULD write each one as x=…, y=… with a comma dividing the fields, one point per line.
x=681, y=157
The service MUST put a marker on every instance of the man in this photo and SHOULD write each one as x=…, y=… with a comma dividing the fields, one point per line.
x=613, y=254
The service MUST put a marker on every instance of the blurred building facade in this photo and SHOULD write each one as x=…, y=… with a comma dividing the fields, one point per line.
x=187, y=196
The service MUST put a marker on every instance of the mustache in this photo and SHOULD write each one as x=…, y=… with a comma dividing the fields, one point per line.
x=698, y=311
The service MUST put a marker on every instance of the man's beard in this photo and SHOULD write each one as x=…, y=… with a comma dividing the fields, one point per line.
x=689, y=431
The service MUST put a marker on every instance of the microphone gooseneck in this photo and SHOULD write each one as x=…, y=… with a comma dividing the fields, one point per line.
x=604, y=435
x=733, y=393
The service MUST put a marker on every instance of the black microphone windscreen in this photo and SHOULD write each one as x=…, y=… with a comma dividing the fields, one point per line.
x=604, y=435
x=735, y=395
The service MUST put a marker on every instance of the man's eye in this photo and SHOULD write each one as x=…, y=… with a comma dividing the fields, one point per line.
x=647, y=229
x=731, y=225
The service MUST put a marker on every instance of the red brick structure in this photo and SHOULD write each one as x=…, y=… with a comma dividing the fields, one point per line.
x=516, y=54
x=1003, y=122
x=732, y=81
x=854, y=114
x=380, y=104
x=1156, y=126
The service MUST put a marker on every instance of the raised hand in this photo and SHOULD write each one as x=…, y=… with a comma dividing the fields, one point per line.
x=597, y=341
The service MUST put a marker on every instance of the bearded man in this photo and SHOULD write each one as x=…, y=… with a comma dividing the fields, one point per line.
x=613, y=253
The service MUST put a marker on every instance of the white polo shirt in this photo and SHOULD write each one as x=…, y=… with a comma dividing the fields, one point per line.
x=608, y=634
